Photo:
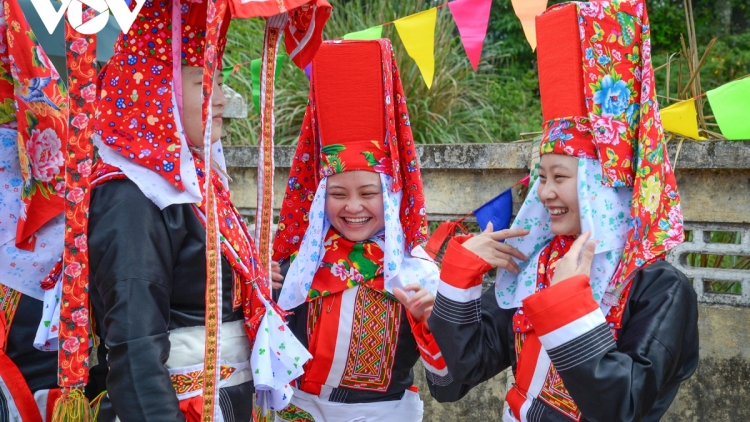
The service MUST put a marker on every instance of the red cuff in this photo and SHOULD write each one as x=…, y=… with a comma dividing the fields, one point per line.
x=560, y=304
x=462, y=268
x=565, y=312
x=428, y=348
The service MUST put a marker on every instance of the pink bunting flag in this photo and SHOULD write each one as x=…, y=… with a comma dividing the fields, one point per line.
x=472, y=18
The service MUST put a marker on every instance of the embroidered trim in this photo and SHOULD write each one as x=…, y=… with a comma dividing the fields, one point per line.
x=193, y=380
x=264, y=214
x=9, y=299
x=375, y=328
x=293, y=413
x=557, y=396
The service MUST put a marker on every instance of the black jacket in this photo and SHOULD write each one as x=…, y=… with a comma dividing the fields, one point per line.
x=656, y=350
x=148, y=276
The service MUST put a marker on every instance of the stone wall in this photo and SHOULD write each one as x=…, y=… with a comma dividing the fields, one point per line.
x=714, y=180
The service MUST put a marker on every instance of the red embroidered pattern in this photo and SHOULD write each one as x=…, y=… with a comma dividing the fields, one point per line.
x=192, y=381
x=376, y=323
x=313, y=314
x=556, y=395
x=9, y=299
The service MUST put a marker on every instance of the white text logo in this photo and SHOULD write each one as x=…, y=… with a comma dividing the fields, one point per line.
x=51, y=17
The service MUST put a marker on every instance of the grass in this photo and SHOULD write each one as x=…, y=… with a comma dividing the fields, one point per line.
x=462, y=106
x=720, y=261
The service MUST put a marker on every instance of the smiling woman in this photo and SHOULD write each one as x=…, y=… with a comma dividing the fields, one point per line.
x=558, y=176
x=600, y=329
x=354, y=204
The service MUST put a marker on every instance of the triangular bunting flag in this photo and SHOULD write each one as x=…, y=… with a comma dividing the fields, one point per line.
x=417, y=32
x=498, y=211
x=682, y=119
x=368, y=34
x=255, y=66
x=731, y=106
x=472, y=18
x=527, y=11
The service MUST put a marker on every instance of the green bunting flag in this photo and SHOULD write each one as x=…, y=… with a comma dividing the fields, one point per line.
x=731, y=106
x=372, y=33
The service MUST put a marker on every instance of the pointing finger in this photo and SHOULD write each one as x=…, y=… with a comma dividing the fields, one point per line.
x=510, y=250
x=508, y=233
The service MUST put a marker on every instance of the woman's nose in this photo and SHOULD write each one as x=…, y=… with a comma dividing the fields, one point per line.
x=218, y=98
x=353, y=206
x=545, y=192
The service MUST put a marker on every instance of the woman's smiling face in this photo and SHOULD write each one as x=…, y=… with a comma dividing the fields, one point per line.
x=354, y=204
x=558, y=191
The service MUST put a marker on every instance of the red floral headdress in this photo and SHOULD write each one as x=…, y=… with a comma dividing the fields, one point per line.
x=599, y=101
x=353, y=123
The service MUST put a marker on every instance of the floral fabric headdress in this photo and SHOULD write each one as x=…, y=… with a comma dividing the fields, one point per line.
x=599, y=104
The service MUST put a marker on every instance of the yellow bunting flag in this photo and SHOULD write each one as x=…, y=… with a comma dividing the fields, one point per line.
x=417, y=32
x=527, y=11
x=372, y=33
x=682, y=119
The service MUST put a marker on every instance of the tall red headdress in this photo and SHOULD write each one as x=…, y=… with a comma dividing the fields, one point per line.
x=356, y=119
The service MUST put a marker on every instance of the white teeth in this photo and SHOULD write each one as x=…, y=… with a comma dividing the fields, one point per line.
x=357, y=220
x=558, y=211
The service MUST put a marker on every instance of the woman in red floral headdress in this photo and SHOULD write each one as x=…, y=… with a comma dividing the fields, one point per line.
x=596, y=325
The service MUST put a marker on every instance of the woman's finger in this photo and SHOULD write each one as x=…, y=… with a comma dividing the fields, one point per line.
x=508, y=233
x=510, y=250
x=401, y=296
x=276, y=285
x=587, y=257
x=577, y=246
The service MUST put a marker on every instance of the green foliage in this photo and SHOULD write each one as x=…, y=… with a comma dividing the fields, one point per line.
x=720, y=261
x=501, y=100
x=462, y=106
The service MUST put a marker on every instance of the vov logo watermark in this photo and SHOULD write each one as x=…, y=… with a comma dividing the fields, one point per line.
x=119, y=8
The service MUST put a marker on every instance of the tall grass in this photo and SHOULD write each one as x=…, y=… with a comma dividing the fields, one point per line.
x=462, y=106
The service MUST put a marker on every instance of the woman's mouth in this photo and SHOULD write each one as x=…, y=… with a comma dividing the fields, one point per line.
x=556, y=213
x=358, y=221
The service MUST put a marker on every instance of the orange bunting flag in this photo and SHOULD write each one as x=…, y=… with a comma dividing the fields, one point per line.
x=527, y=11
x=472, y=18
x=417, y=32
x=682, y=119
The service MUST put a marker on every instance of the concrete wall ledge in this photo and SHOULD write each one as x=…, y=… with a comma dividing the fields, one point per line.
x=713, y=177
x=726, y=155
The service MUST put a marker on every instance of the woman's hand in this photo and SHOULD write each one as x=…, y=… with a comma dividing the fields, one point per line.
x=276, y=277
x=419, y=304
x=568, y=265
x=487, y=246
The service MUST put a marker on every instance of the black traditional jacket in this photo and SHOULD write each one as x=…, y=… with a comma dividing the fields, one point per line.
x=148, y=277
x=634, y=378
